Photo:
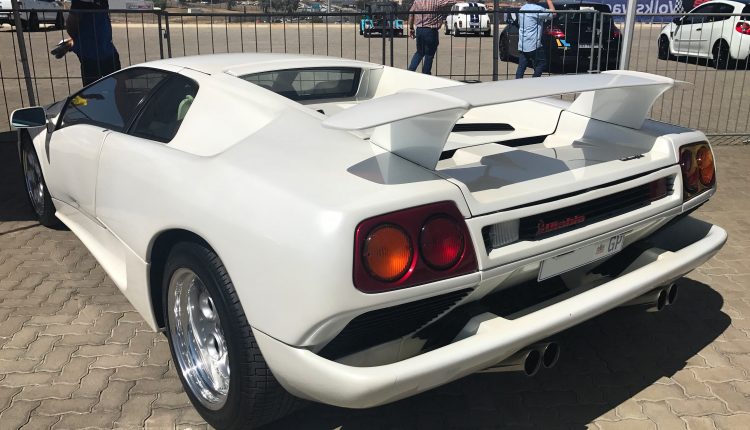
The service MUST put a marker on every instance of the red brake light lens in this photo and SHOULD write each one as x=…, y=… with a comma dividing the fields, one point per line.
x=743, y=27
x=698, y=169
x=555, y=32
x=412, y=247
x=441, y=242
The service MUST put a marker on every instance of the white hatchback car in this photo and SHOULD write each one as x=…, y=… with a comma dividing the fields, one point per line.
x=717, y=38
x=44, y=12
x=468, y=18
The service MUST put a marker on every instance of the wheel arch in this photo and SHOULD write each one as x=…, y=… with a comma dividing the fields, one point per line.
x=161, y=244
x=718, y=43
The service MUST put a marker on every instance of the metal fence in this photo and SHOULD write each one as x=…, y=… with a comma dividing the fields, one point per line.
x=718, y=102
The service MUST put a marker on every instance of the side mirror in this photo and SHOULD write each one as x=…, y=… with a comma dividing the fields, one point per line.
x=677, y=20
x=28, y=117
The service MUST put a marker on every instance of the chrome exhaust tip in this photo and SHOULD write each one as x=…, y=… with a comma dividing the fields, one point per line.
x=654, y=301
x=527, y=361
x=661, y=301
x=671, y=294
x=550, y=354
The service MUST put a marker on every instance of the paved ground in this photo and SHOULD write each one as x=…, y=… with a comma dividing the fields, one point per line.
x=74, y=354
x=719, y=101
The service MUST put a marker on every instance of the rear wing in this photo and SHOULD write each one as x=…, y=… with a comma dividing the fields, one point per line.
x=415, y=124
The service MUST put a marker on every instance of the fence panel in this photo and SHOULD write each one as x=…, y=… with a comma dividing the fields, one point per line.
x=579, y=41
x=718, y=99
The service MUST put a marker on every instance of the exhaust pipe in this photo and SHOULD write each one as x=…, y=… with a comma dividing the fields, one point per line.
x=654, y=300
x=671, y=293
x=527, y=361
x=550, y=354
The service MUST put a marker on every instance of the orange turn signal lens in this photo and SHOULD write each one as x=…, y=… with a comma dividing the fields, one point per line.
x=705, y=163
x=387, y=253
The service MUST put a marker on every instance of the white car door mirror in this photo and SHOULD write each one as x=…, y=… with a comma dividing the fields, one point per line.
x=28, y=117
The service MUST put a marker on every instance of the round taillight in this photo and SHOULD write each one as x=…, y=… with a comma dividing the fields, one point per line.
x=705, y=163
x=441, y=242
x=387, y=253
x=686, y=161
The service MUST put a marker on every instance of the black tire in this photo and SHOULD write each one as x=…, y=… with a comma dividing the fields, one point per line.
x=254, y=396
x=41, y=203
x=488, y=33
x=456, y=33
x=33, y=22
x=60, y=21
x=663, y=48
x=722, y=60
x=503, y=49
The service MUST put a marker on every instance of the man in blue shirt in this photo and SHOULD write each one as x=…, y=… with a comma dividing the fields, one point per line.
x=91, y=32
x=530, y=28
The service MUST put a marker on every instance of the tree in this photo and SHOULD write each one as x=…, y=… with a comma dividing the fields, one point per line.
x=287, y=5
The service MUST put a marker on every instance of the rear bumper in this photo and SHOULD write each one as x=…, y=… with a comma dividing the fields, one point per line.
x=311, y=376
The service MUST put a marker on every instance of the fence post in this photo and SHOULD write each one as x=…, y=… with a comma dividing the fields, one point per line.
x=392, y=19
x=627, y=35
x=167, y=35
x=382, y=36
x=161, y=35
x=593, y=41
x=495, y=39
x=22, y=51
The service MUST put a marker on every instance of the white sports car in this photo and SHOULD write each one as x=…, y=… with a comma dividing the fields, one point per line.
x=355, y=234
x=724, y=39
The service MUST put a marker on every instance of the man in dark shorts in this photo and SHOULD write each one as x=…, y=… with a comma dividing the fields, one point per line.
x=90, y=29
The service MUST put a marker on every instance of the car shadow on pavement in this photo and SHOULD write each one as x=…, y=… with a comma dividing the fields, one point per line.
x=14, y=205
x=604, y=362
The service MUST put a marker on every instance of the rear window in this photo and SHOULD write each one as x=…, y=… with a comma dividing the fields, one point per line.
x=309, y=84
x=746, y=13
x=472, y=9
x=585, y=16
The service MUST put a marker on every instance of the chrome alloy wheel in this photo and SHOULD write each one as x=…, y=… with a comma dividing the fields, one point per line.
x=198, y=339
x=32, y=173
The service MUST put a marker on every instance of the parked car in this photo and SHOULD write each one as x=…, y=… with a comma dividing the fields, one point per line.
x=353, y=234
x=721, y=39
x=44, y=12
x=571, y=39
x=380, y=18
x=468, y=18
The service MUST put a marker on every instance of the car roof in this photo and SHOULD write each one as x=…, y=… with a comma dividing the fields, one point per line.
x=470, y=4
x=245, y=63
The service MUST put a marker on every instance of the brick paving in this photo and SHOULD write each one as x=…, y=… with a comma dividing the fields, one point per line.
x=74, y=354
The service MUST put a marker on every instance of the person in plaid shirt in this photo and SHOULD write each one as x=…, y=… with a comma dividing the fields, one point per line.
x=427, y=25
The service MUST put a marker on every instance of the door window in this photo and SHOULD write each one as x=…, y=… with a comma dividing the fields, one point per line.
x=722, y=8
x=695, y=16
x=165, y=111
x=113, y=101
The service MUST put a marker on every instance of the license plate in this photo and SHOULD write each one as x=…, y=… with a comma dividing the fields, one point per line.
x=580, y=257
x=584, y=45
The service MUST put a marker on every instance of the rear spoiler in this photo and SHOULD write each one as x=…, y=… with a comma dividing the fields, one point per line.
x=415, y=124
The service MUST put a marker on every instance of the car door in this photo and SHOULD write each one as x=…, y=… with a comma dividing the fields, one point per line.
x=133, y=161
x=88, y=117
x=718, y=27
x=689, y=35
